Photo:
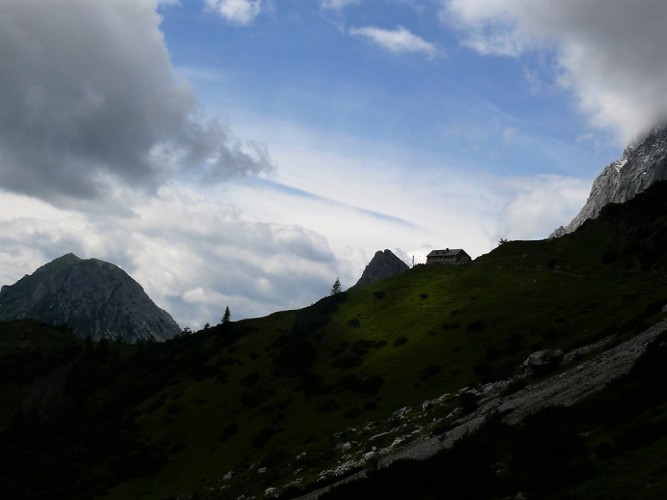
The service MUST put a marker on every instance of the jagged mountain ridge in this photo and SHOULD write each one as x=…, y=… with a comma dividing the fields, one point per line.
x=383, y=265
x=93, y=298
x=642, y=164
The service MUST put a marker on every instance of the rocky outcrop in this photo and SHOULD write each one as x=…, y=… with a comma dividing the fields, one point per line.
x=383, y=265
x=542, y=362
x=414, y=441
x=642, y=165
x=93, y=298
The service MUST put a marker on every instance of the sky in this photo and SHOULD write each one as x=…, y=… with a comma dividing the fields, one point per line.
x=246, y=153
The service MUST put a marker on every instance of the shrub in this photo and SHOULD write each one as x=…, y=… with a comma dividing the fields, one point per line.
x=347, y=361
x=365, y=386
x=352, y=412
x=361, y=347
x=430, y=371
x=327, y=406
x=294, y=359
x=354, y=323
x=468, y=401
x=252, y=399
x=400, y=341
x=262, y=437
x=476, y=326
x=250, y=380
x=174, y=409
x=275, y=457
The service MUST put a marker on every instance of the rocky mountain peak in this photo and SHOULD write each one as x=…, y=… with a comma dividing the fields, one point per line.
x=383, y=265
x=93, y=298
x=642, y=164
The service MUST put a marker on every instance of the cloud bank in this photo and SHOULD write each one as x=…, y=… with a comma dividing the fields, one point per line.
x=192, y=254
x=609, y=53
x=89, y=101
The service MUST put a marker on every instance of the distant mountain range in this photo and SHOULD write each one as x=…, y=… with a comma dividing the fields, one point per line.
x=93, y=298
x=642, y=164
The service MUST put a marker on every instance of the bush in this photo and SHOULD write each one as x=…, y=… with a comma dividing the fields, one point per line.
x=294, y=359
x=400, y=341
x=174, y=409
x=353, y=412
x=252, y=399
x=361, y=347
x=250, y=380
x=430, y=371
x=262, y=438
x=228, y=432
x=476, y=326
x=327, y=406
x=365, y=386
x=347, y=362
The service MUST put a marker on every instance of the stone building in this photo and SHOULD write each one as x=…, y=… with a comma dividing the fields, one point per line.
x=448, y=256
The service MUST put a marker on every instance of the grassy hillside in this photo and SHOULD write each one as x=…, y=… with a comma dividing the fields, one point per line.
x=267, y=398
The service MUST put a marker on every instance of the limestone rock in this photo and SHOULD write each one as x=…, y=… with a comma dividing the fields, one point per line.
x=641, y=165
x=541, y=362
x=93, y=298
x=383, y=265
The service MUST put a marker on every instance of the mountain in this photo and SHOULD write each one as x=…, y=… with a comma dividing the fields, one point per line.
x=642, y=164
x=383, y=265
x=93, y=298
x=537, y=372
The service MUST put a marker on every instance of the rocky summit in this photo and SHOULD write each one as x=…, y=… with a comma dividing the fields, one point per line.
x=642, y=164
x=383, y=265
x=93, y=298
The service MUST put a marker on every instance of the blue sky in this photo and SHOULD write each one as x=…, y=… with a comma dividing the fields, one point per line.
x=246, y=153
x=300, y=63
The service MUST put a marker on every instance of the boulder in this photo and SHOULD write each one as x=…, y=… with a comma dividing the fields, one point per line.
x=542, y=362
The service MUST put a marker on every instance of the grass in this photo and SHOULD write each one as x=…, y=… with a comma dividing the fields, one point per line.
x=556, y=310
x=292, y=382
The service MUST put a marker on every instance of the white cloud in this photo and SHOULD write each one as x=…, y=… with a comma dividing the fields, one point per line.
x=239, y=245
x=398, y=41
x=193, y=255
x=537, y=205
x=609, y=53
x=236, y=11
x=338, y=4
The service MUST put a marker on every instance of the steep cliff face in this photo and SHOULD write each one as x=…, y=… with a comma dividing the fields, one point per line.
x=383, y=265
x=642, y=164
x=95, y=299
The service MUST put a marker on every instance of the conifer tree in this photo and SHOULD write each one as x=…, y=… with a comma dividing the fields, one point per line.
x=226, y=318
x=336, y=288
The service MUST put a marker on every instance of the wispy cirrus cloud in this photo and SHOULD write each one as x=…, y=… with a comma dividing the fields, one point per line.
x=397, y=41
x=240, y=12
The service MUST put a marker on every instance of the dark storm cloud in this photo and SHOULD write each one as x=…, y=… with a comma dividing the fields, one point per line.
x=89, y=99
